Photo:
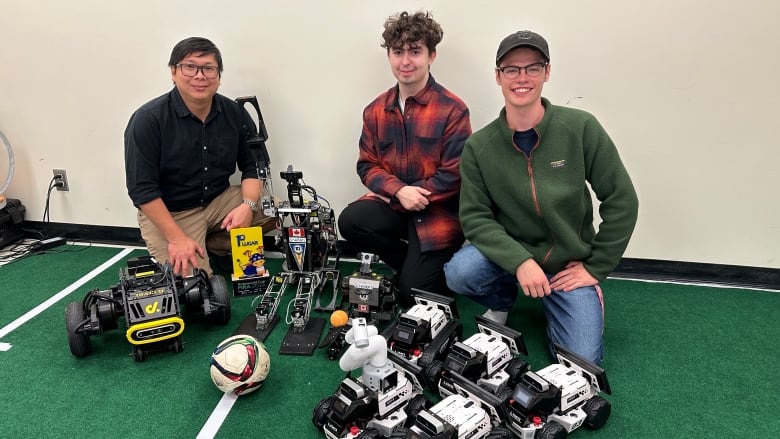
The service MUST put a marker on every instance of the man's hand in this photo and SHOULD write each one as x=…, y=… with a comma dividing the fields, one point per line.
x=532, y=279
x=413, y=198
x=182, y=254
x=240, y=216
x=572, y=277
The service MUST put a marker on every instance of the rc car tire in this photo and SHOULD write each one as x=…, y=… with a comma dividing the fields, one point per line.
x=320, y=415
x=515, y=369
x=79, y=343
x=139, y=354
x=413, y=408
x=432, y=373
x=500, y=432
x=504, y=394
x=401, y=433
x=369, y=433
x=221, y=297
x=551, y=430
x=597, y=411
x=177, y=345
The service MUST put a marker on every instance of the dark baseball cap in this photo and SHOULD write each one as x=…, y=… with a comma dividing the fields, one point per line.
x=523, y=38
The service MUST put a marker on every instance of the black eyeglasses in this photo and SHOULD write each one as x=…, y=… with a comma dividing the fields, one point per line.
x=191, y=70
x=531, y=70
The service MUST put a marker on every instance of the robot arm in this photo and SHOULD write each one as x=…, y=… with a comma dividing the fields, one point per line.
x=366, y=347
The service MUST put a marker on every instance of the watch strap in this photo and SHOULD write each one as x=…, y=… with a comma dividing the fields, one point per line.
x=252, y=204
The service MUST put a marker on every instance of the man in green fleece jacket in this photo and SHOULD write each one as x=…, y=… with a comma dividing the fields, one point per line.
x=526, y=208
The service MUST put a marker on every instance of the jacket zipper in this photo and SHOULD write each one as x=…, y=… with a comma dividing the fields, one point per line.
x=535, y=198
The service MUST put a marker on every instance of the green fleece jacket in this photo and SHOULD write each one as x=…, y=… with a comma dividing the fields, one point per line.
x=513, y=207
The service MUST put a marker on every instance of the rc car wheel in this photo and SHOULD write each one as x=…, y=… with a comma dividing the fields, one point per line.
x=500, y=432
x=413, y=408
x=515, y=369
x=220, y=298
x=551, y=430
x=432, y=374
x=139, y=354
x=177, y=345
x=320, y=415
x=78, y=342
x=369, y=433
x=504, y=394
x=401, y=433
x=597, y=411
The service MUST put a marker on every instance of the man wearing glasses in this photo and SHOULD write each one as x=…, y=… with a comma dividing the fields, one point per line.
x=180, y=151
x=526, y=208
x=409, y=151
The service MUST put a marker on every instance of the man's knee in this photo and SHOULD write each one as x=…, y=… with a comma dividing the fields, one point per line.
x=583, y=334
x=218, y=243
x=347, y=221
x=462, y=268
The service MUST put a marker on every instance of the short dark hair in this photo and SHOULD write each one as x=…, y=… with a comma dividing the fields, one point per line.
x=197, y=45
x=403, y=29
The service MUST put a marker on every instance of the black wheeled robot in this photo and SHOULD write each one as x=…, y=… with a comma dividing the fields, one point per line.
x=149, y=296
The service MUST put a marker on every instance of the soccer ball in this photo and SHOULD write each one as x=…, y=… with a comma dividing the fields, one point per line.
x=239, y=364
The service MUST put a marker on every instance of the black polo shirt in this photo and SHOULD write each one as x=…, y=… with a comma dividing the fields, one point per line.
x=171, y=154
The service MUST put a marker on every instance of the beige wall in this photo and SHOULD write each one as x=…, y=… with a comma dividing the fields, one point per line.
x=687, y=88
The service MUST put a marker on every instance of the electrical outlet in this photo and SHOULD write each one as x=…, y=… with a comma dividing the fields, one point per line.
x=62, y=177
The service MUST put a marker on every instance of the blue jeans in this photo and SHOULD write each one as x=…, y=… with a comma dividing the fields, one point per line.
x=575, y=319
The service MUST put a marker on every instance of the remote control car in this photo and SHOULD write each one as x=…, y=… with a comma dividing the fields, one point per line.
x=149, y=298
x=549, y=403
x=423, y=334
x=456, y=417
x=384, y=400
x=559, y=398
x=487, y=358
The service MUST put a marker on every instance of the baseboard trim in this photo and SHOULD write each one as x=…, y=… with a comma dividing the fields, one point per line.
x=84, y=232
x=697, y=272
x=633, y=268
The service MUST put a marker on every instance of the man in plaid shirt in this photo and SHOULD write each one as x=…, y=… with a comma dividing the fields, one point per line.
x=410, y=148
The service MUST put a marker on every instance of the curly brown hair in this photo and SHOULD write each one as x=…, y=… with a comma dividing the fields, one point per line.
x=402, y=28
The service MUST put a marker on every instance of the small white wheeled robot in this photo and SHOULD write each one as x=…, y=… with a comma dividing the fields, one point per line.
x=549, y=403
x=423, y=334
x=384, y=400
x=489, y=358
x=558, y=399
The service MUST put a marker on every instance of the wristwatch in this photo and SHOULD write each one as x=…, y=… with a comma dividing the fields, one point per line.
x=252, y=205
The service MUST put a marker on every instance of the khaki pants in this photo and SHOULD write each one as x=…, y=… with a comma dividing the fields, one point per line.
x=203, y=225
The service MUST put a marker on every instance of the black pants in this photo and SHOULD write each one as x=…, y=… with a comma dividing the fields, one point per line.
x=373, y=227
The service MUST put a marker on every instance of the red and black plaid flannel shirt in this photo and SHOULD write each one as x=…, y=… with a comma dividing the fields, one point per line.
x=419, y=147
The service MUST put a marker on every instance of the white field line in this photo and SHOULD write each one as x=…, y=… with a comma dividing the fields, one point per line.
x=691, y=283
x=214, y=422
x=57, y=297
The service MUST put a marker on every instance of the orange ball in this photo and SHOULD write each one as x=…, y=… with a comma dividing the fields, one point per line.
x=339, y=318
